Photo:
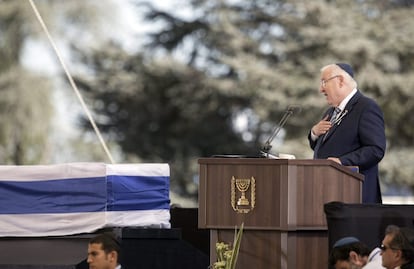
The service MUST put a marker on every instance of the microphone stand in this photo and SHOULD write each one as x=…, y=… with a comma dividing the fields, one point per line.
x=267, y=146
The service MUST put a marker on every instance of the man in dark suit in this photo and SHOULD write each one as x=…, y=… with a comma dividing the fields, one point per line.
x=351, y=131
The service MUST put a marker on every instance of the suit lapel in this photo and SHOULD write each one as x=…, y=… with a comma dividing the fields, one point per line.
x=344, y=113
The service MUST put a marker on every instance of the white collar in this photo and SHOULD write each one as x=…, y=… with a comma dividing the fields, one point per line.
x=346, y=100
x=374, y=254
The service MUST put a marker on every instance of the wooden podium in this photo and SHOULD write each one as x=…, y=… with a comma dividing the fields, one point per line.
x=281, y=204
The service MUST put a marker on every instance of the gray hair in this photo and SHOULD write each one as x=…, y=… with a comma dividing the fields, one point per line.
x=338, y=71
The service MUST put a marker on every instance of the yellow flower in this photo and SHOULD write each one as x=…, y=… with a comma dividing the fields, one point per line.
x=227, y=256
x=218, y=265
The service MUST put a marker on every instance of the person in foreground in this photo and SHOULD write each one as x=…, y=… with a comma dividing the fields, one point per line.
x=351, y=132
x=350, y=253
x=104, y=252
x=397, y=248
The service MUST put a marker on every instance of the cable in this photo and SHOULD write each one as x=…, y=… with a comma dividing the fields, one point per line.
x=72, y=83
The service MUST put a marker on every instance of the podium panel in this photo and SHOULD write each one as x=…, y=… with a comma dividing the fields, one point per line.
x=278, y=249
x=280, y=202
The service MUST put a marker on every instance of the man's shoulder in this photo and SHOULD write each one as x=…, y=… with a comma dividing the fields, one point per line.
x=363, y=103
x=375, y=260
x=374, y=264
x=362, y=98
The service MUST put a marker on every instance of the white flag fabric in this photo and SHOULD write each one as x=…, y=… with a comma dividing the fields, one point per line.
x=65, y=199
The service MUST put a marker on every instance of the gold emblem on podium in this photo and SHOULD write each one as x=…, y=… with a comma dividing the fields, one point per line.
x=243, y=204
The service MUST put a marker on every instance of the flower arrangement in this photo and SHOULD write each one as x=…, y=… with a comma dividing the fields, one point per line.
x=226, y=256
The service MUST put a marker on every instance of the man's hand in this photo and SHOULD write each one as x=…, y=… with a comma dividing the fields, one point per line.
x=337, y=160
x=321, y=127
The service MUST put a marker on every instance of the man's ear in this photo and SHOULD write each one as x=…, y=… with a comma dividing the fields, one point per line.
x=355, y=258
x=398, y=254
x=113, y=256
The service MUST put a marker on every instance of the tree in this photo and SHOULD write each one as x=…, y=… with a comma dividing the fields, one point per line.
x=253, y=57
x=161, y=111
x=26, y=112
x=25, y=120
x=25, y=109
x=277, y=48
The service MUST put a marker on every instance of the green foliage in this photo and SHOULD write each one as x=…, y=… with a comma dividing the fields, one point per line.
x=25, y=113
x=227, y=255
x=162, y=111
x=250, y=56
x=13, y=32
x=272, y=52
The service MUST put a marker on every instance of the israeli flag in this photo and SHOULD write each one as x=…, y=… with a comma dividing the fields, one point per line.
x=65, y=199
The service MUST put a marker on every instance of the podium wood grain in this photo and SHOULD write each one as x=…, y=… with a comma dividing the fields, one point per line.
x=287, y=227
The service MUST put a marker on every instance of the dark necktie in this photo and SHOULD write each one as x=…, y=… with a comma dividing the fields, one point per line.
x=335, y=114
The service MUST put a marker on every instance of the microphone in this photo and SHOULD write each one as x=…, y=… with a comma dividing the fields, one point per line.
x=289, y=111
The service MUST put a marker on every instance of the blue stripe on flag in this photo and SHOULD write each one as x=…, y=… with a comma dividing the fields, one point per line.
x=53, y=196
x=137, y=192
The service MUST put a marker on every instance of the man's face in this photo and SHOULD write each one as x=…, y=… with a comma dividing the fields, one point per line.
x=330, y=88
x=98, y=259
x=390, y=257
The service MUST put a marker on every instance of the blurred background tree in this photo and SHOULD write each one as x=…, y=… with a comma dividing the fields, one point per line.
x=25, y=108
x=28, y=109
x=215, y=77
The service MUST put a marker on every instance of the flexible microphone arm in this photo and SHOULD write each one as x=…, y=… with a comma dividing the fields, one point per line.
x=267, y=146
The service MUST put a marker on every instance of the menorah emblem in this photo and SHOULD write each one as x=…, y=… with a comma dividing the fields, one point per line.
x=243, y=185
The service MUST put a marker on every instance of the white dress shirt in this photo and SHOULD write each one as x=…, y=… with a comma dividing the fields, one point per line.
x=374, y=260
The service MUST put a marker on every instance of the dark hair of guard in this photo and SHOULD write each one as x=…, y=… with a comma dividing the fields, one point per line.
x=109, y=243
x=341, y=253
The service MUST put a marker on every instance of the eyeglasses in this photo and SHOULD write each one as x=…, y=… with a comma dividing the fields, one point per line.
x=324, y=81
x=384, y=248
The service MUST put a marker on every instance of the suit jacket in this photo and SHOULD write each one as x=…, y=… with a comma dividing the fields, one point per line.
x=407, y=266
x=357, y=138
